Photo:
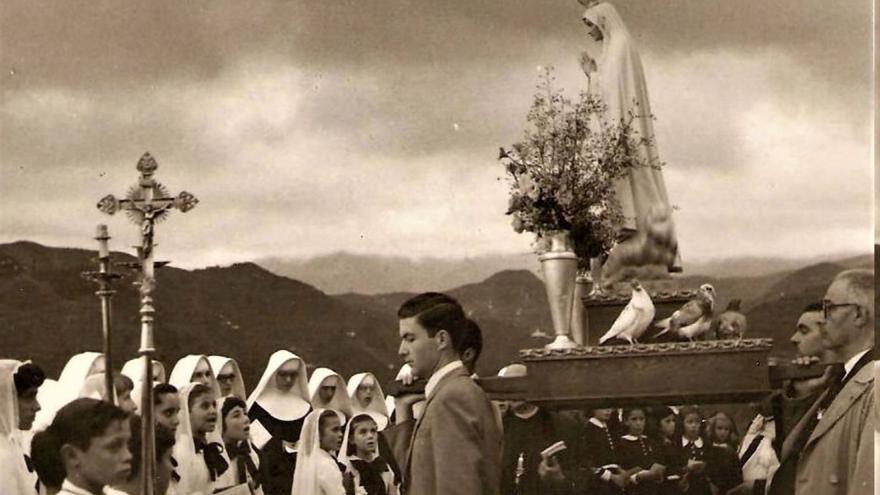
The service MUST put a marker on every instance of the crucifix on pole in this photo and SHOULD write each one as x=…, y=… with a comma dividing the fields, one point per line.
x=146, y=204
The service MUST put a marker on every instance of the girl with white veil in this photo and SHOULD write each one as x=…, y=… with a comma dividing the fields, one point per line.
x=367, y=397
x=360, y=454
x=621, y=83
x=197, y=448
x=14, y=472
x=277, y=408
x=317, y=472
x=194, y=368
x=52, y=396
x=228, y=375
x=327, y=390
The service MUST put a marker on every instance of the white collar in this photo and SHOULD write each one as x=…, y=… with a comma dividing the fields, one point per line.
x=439, y=374
x=698, y=442
x=531, y=414
x=598, y=423
x=69, y=487
x=851, y=362
x=633, y=437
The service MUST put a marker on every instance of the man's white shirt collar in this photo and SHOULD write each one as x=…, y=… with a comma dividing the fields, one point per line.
x=698, y=442
x=439, y=374
x=851, y=362
x=598, y=423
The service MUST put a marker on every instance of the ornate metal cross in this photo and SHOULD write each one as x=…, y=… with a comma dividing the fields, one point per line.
x=146, y=204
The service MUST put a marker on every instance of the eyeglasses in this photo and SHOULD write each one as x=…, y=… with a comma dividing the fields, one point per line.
x=827, y=306
x=226, y=378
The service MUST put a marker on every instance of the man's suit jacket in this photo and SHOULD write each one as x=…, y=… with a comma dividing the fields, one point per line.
x=838, y=457
x=456, y=444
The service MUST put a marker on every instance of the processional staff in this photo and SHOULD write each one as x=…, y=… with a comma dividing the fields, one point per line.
x=104, y=277
x=147, y=203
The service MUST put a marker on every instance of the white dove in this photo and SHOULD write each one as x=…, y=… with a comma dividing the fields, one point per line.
x=689, y=320
x=635, y=318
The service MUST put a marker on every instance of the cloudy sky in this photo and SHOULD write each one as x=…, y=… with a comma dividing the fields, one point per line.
x=308, y=127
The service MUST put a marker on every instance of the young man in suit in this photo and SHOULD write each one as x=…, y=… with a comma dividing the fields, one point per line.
x=456, y=443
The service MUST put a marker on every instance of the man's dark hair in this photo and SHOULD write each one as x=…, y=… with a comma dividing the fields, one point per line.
x=472, y=339
x=164, y=443
x=28, y=376
x=229, y=404
x=812, y=308
x=434, y=312
x=161, y=389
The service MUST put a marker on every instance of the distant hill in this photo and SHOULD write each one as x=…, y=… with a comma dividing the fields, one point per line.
x=344, y=273
x=48, y=312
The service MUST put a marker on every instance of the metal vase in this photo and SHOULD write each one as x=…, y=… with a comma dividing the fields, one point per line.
x=559, y=266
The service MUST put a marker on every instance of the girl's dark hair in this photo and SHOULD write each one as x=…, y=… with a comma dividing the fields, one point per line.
x=27, y=376
x=688, y=410
x=161, y=389
x=228, y=405
x=164, y=443
x=353, y=423
x=629, y=410
x=197, y=391
x=77, y=423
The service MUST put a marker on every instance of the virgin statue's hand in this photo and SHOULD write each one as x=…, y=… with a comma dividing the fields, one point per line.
x=587, y=63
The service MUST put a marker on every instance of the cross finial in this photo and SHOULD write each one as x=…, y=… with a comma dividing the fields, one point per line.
x=147, y=164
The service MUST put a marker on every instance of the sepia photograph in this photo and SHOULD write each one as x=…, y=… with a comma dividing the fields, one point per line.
x=580, y=247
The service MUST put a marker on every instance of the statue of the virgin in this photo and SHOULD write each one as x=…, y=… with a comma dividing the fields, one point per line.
x=616, y=74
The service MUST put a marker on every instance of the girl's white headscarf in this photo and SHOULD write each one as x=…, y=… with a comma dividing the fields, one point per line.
x=134, y=369
x=55, y=395
x=283, y=406
x=310, y=457
x=217, y=364
x=377, y=409
x=340, y=401
x=343, y=455
x=194, y=475
x=183, y=371
x=13, y=470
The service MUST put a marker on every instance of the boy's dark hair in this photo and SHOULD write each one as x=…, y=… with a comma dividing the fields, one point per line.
x=197, y=391
x=434, y=312
x=354, y=422
x=28, y=376
x=322, y=420
x=814, y=307
x=46, y=457
x=122, y=383
x=161, y=389
x=164, y=443
x=229, y=404
x=472, y=339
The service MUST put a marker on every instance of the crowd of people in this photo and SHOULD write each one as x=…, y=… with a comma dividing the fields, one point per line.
x=301, y=433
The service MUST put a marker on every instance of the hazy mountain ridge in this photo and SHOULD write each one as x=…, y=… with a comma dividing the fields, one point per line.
x=48, y=312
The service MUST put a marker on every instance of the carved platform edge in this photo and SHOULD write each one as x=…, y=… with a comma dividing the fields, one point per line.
x=656, y=349
x=657, y=298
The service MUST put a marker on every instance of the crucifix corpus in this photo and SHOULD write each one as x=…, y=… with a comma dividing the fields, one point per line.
x=146, y=204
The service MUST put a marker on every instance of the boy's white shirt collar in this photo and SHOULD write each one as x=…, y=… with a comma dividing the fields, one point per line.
x=599, y=423
x=633, y=437
x=439, y=374
x=69, y=487
x=698, y=442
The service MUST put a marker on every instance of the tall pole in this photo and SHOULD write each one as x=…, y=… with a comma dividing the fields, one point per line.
x=146, y=204
x=104, y=277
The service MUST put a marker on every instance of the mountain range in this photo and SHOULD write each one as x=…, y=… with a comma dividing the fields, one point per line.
x=49, y=312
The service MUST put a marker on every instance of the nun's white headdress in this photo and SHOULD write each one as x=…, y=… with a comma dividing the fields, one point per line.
x=377, y=408
x=340, y=401
x=181, y=375
x=217, y=364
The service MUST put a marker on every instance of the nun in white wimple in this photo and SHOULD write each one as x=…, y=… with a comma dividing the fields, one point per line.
x=327, y=390
x=197, y=448
x=14, y=474
x=317, y=472
x=228, y=376
x=134, y=369
x=194, y=368
x=367, y=397
x=277, y=409
x=54, y=396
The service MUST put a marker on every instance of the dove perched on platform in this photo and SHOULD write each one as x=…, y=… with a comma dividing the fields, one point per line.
x=695, y=315
x=732, y=323
x=635, y=318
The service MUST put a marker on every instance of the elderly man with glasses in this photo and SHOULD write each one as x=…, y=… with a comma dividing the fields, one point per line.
x=832, y=446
